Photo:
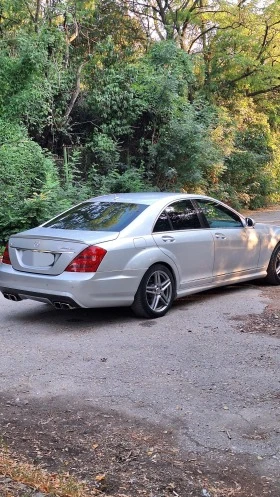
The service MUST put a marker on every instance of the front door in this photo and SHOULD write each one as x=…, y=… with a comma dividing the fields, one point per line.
x=237, y=246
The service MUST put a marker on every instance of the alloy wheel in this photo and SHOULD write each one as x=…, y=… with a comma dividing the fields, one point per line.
x=159, y=291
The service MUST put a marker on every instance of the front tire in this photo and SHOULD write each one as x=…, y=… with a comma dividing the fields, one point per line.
x=273, y=270
x=155, y=294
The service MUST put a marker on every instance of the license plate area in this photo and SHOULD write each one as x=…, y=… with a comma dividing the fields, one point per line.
x=33, y=258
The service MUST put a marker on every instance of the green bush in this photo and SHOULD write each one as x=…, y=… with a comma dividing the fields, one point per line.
x=129, y=180
x=30, y=188
x=247, y=172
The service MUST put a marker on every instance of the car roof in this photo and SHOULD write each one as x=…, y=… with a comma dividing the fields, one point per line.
x=147, y=198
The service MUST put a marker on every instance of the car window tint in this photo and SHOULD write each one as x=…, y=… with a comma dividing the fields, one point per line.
x=97, y=216
x=162, y=223
x=183, y=215
x=219, y=216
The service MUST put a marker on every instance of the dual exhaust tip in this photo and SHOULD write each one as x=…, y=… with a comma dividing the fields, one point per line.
x=58, y=305
x=62, y=306
x=11, y=296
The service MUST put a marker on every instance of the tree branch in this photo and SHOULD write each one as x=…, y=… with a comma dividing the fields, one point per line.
x=242, y=76
x=76, y=92
x=261, y=92
x=263, y=42
x=74, y=35
x=30, y=11
x=202, y=33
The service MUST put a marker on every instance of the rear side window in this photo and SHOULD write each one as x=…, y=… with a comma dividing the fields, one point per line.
x=163, y=223
x=97, y=216
x=178, y=216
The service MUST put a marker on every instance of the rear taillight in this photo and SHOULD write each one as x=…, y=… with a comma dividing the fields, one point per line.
x=6, y=257
x=87, y=261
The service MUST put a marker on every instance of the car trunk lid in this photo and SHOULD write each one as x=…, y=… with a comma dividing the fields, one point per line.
x=49, y=251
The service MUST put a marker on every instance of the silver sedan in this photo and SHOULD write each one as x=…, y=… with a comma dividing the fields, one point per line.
x=138, y=249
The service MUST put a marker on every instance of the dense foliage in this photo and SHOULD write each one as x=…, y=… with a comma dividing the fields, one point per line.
x=106, y=96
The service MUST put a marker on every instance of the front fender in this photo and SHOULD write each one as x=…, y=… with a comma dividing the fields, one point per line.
x=270, y=237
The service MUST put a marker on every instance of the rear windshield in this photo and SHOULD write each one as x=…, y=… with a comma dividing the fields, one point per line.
x=97, y=216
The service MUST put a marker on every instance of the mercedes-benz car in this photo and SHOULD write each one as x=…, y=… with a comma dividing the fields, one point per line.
x=138, y=249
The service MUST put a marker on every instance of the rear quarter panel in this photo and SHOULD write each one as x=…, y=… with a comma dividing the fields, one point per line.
x=135, y=253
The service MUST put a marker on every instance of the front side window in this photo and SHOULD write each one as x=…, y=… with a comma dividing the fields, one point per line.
x=180, y=215
x=218, y=216
x=97, y=216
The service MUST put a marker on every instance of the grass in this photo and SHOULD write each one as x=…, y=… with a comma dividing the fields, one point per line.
x=60, y=485
x=65, y=485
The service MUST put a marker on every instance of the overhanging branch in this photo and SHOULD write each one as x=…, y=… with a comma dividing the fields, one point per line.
x=261, y=92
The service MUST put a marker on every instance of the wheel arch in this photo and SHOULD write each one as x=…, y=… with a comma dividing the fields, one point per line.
x=168, y=266
x=156, y=291
x=273, y=276
x=147, y=258
x=276, y=246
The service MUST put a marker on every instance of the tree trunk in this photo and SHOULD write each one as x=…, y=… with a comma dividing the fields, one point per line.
x=37, y=14
x=75, y=93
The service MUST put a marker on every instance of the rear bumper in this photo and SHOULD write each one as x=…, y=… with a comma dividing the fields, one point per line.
x=100, y=289
x=58, y=301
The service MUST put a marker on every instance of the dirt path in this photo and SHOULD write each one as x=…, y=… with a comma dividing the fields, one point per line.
x=135, y=458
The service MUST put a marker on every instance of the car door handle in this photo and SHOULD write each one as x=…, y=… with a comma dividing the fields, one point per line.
x=220, y=236
x=168, y=239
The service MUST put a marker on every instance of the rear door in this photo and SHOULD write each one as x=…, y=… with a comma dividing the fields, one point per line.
x=179, y=234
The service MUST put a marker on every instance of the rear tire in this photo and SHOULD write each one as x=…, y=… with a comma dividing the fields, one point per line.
x=273, y=270
x=155, y=294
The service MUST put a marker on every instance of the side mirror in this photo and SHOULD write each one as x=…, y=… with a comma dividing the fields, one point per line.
x=250, y=222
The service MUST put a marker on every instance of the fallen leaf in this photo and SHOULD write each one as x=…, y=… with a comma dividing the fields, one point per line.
x=100, y=477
